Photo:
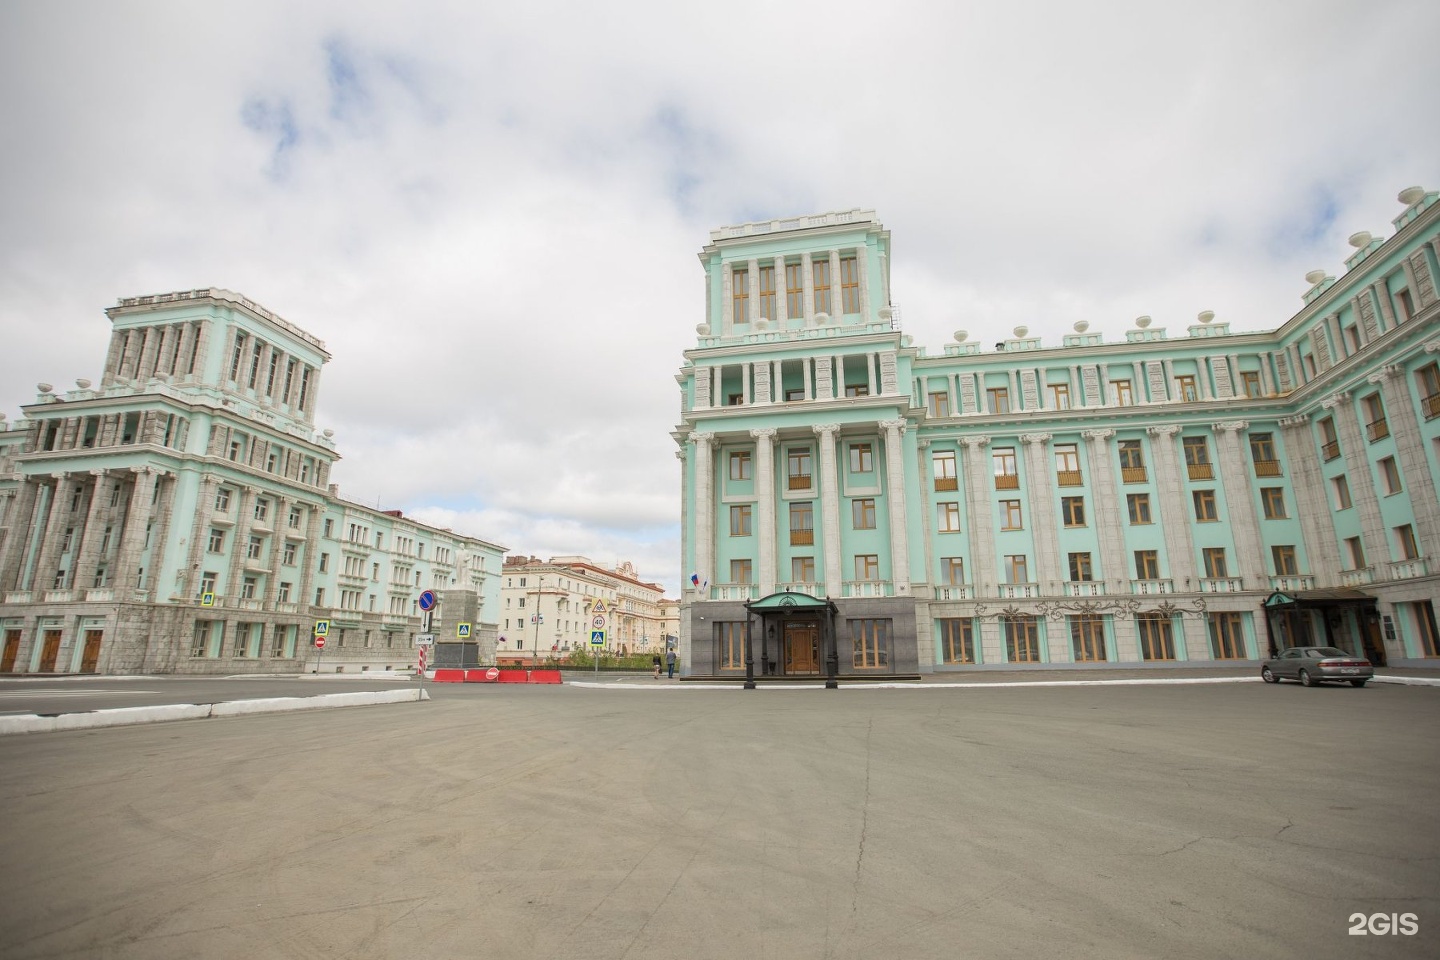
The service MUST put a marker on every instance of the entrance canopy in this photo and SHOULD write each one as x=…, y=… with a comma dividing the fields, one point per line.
x=790, y=601
x=1346, y=615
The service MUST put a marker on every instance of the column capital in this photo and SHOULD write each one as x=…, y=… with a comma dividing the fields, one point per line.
x=1097, y=436
x=1164, y=430
x=1231, y=426
x=211, y=480
x=98, y=474
x=60, y=475
x=141, y=471
x=1433, y=346
x=701, y=439
x=975, y=443
x=826, y=430
x=898, y=425
x=763, y=433
x=1035, y=437
x=1384, y=373
x=1335, y=400
x=682, y=454
x=923, y=443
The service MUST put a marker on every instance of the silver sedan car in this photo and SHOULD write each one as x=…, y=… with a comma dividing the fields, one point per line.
x=1312, y=665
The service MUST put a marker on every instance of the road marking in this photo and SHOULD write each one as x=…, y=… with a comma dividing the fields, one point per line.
x=20, y=694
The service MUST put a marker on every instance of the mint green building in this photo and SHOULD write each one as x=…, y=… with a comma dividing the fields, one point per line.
x=178, y=517
x=856, y=505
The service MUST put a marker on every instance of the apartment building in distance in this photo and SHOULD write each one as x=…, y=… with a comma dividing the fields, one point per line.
x=550, y=606
x=856, y=506
x=178, y=516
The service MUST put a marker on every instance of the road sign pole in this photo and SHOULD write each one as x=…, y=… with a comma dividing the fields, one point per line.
x=319, y=659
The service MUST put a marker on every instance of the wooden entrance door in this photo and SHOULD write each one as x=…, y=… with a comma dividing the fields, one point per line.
x=802, y=647
x=12, y=650
x=49, y=651
x=90, y=659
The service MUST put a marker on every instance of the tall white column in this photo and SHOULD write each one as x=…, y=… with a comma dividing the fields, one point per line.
x=765, y=506
x=1108, y=522
x=704, y=507
x=1361, y=478
x=895, y=500
x=863, y=275
x=43, y=575
x=837, y=302
x=782, y=296
x=727, y=296
x=830, y=508
x=1409, y=448
x=752, y=302
x=1179, y=545
x=1040, y=473
x=979, y=521
x=807, y=282
x=132, y=540
x=1234, y=474
x=1311, y=504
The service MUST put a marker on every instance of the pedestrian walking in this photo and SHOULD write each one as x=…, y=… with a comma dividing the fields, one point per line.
x=655, y=661
x=670, y=662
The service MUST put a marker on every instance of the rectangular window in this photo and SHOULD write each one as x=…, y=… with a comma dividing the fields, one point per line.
x=288, y=558
x=871, y=644
x=1215, y=566
x=740, y=296
x=1284, y=559
x=324, y=562
x=262, y=509
x=739, y=571
x=953, y=570
x=329, y=528
x=943, y=463
x=857, y=390
x=1376, y=426
x=1227, y=636
x=948, y=517
x=1072, y=509
x=740, y=465
x=957, y=641
x=235, y=357
x=217, y=541
x=867, y=566
x=207, y=582
x=740, y=520
x=732, y=646
x=1390, y=475
x=999, y=398
x=247, y=588
x=1429, y=636
x=1017, y=568
x=798, y=467
x=222, y=500
x=1329, y=442
x=1427, y=379
x=794, y=291
x=1405, y=542
x=1022, y=639
x=1010, y=515
x=1197, y=458
x=850, y=284
x=821, y=271
x=802, y=523
x=862, y=458
x=1067, y=465
x=1205, y=511
x=1273, y=501
x=1120, y=390
x=253, y=549
x=284, y=595
x=1059, y=396
x=939, y=404
x=1132, y=462
x=1185, y=390
x=1404, y=305
x=1006, y=477
x=1080, y=568
x=767, y=293
x=1157, y=637
x=1147, y=565
x=1356, y=550
x=1342, y=492
x=295, y=517
x=1262, y=451
x=1139, y=505
x=862, y=514
x=802, y=569
x=1087, y=638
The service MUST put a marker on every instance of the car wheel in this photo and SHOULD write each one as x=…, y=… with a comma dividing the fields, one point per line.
x=1305, y=679
x=1267, y=676
x=1357, y=683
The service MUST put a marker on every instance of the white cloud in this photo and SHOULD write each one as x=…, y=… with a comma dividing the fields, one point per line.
x=490, y=214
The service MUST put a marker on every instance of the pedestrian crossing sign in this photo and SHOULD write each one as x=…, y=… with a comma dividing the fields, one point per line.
x=597, y=638
x=207, y=599
x=322, y=628
x=462, y=630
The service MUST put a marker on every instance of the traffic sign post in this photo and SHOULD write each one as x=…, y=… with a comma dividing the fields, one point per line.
x=597, y=639
x=319, y=645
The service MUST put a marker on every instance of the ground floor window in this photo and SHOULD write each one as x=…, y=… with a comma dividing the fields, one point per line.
x=207, y=639
x=1087, y=638
x=872, y=644
x=957, y=641
x=732, y=646
x=284, y=646
x=1425, y=629
x=248, y=637
x=1227, y=637
x=1022, y=639
x=1157, y=636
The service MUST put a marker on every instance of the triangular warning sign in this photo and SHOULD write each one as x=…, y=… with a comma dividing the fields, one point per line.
x=599, y=607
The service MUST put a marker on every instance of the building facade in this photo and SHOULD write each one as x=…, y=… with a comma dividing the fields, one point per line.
x=551, y=605
x=178, y=517
x=1185, y=500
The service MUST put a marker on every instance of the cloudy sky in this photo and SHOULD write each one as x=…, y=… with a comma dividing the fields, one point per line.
x=490, y=211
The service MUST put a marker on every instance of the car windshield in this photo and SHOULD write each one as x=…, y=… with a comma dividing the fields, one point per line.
x=1322, y=652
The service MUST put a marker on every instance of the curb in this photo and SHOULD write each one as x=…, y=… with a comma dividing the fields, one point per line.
x=127, y=716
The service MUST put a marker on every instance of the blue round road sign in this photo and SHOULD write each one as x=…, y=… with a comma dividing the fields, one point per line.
x=427, y=600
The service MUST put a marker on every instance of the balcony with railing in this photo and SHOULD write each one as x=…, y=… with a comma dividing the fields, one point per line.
x=1357, y=577
x=798, y=481
x=1290, y=582
x=19, y=596
x=1406, y=569
x=1222, y=584
x=1018, y=591
x=1431, y=406
x=1152, y=587
x=867, y=588
x=1069, y=478
x=1330, y=451
x=808, y=587
x=1084, y=588
x=1007, y=481
x=59, y=596
x=1200, y=471
x=100, y=595
x=955, y=591
x=1267, y=468
x=1133, y=475
x=1377, y=429
x=734, y=591
x=947, y=484
x=802, y=538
